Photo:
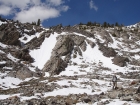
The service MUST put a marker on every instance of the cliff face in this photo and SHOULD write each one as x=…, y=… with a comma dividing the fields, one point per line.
x=61, y=53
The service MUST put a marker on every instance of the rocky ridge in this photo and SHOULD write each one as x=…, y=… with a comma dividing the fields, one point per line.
x=72, y=42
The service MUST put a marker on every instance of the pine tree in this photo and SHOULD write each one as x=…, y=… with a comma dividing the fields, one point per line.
x=94, y=24
x=38, y=22
x=80, y=23
x=112, y=25
x=89, y=23
x=105, y=24
x=116, y=24
x=108, y=25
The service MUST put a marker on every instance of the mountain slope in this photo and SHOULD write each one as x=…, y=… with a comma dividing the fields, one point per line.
x=67, y=65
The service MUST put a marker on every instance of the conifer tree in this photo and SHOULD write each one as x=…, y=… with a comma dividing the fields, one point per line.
x=105, y=24
x=116, y=24
x=38, y=22
x=94, y=24
x=89, y=23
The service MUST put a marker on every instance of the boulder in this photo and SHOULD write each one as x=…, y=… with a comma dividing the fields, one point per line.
x=11, y=38
x=55, y=65
x=24, y=73
x=137, y=97
x=36, y=42
x=63, y=46
x=124, y=35
x=113, y=94
x=126, y=98
x=9, y=34
x=107, y=51
x=23, y=54
x=120, y=61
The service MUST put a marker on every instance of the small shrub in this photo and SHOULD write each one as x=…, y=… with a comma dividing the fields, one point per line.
x=74, y=56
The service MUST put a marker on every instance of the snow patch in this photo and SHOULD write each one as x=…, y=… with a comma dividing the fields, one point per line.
x=43, y=54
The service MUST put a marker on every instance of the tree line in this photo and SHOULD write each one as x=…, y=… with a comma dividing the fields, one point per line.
x=105, y=24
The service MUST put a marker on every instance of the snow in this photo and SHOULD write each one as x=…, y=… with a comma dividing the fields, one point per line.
x=3, y=45
x=2, y=52
x=95, y=55
x=67, y=91
x=2, y=62
x=29, y=37
x=9, y=68
x=43, y=54
x=2, y=22
x=8, y=96
x=4, y=97
x=70, y=71
x=27, y=98
x=9, y=82
x=12, y=57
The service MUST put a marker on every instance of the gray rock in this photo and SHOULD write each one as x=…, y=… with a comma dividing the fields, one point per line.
x=126, y=98
x=107, y=51
x=64, y=46
x=120, y=61
x=83, y=46
x=55, y=65
x=92, y=44
x=24, y=73
x=77, y=50
x=113, y=94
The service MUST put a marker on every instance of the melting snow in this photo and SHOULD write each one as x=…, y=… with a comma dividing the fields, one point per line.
x=43, y=54
x=9, y=82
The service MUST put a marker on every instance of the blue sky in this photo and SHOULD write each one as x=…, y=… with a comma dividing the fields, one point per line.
x=71, y=12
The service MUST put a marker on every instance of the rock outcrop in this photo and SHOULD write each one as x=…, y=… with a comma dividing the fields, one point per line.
x=54, y=66
x=63, y=47
x=120, y=61
x=107, y=51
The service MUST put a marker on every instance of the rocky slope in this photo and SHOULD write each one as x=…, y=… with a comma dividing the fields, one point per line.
x=68, y=65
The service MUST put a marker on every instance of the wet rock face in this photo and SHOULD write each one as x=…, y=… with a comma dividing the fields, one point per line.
x=120, y=61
